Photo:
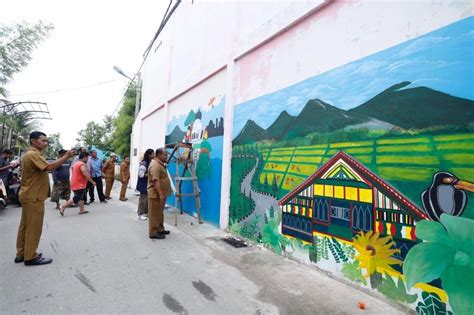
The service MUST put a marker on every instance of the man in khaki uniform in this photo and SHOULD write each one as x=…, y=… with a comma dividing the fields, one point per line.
x=124, y=176
x=109, y=174
x=33, y=192
x=159, y=187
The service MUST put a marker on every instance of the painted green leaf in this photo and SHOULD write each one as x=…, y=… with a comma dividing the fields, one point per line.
x=458, y=282
x=426, y=262
x=432, y=231
x=431, y=305
x=396, y=292
x=460, y=231
x=353, y=272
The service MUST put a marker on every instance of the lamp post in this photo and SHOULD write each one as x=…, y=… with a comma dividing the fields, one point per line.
x=138, y=87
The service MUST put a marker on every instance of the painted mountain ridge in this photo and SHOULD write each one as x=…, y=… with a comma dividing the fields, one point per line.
x=397, y=106
x=417, y=107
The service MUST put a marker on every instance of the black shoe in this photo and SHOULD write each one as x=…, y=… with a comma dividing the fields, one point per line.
x=91, y=201
x=164, y=232
x=20, y=259
x=103, y=201
x=108, y=198
x=38, y=261
x=158, y=236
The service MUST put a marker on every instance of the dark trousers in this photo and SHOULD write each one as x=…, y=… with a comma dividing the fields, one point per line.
x=90, y=189
x=100, y=187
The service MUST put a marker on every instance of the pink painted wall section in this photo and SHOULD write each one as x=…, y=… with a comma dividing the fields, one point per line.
x=335, y=35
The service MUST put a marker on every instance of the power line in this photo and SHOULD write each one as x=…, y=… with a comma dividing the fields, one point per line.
x=67, y=89
x=164, y=20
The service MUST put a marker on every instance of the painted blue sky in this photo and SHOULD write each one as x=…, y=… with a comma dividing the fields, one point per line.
x=207, y=116
x=442, y=60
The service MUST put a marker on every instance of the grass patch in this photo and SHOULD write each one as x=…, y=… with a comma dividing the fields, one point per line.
x=459, y=158
x=352, y=150
x=308, y=159
x=310, y=152
x=277, y=159
x=403, y=140
x=462, y=136
x=405, y=148
x=316, y=146
x=463, y=172
x=291, y=181
x=455, y=146
x=406, y=173
x=270, y=166
x=351, y=144
x=364, y=159
x=303, y=169
x=407, y=159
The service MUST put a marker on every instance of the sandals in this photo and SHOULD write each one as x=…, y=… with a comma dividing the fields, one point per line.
x=61, y=210
x=85, y=211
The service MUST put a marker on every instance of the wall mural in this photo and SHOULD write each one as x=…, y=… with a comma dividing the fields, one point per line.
x=202, y=126
x=367, y=170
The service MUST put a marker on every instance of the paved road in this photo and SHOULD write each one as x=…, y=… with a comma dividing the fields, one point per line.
x=105, y=263
x=262, y=202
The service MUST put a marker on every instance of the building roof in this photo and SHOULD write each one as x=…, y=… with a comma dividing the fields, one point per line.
x=389, y=190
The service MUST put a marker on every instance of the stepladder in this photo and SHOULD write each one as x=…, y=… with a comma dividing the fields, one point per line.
x=183, y=157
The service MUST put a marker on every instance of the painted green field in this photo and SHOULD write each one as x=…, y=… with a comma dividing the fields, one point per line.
x=403, y=161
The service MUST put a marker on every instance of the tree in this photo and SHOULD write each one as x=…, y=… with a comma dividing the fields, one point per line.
x=190, y=119
x=122, y=125
x=17, y=43
x=54, y=145
x=92, y=135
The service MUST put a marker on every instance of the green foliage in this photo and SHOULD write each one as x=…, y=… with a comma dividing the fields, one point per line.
x=54, y=145
x=336, y=250
x=447, y=253
x=250, y=229
x=272, y=238
x=272, y=212
x=396, y=292
x=98, y=134
x=190, y=118
x=17, y=43
x=234, y=227
x=203, y=168
x=121, y=126
x=353, y=272
x=431, y=305
x=324, y=248
x=314, y=252
x=240, y=205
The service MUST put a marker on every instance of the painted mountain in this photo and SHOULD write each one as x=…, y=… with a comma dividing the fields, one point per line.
x=281, y=125
x=251, y=133
x=417, y=107
x=397, y=106
x=175, y=136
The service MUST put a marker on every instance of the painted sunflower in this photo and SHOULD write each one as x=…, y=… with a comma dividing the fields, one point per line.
x=374, y=253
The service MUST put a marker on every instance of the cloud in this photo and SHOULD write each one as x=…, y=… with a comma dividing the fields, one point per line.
x=421, y=44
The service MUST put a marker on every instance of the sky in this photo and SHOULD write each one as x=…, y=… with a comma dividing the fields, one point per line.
x=72, y=70
x=441, y=60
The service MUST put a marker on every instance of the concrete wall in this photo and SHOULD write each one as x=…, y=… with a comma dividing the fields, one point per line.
x=299, y=81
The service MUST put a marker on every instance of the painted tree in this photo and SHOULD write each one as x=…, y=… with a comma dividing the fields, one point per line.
x=190, y=118
x=274, y=186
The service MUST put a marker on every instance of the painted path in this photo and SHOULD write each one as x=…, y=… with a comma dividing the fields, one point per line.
x=262, y=201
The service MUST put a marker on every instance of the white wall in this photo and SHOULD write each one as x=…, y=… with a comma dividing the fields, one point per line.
x=268, y=45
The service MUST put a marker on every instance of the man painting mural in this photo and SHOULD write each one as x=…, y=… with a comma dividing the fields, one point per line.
x=159, y=187
x=34, y=191
x=109, y=174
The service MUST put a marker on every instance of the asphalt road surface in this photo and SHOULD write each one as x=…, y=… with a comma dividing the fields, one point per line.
x=104, y=262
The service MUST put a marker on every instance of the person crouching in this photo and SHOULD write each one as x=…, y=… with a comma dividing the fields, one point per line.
x=79, y=178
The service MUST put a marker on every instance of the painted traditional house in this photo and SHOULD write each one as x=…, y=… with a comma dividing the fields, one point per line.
x=342, y=198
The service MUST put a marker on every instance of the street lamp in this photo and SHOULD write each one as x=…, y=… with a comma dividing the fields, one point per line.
x=137, y=87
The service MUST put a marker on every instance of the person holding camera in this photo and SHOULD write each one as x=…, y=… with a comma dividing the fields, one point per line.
x=34, y=191
x=61, y=184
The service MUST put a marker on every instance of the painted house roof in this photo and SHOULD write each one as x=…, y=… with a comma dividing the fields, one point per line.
x=389, y=190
